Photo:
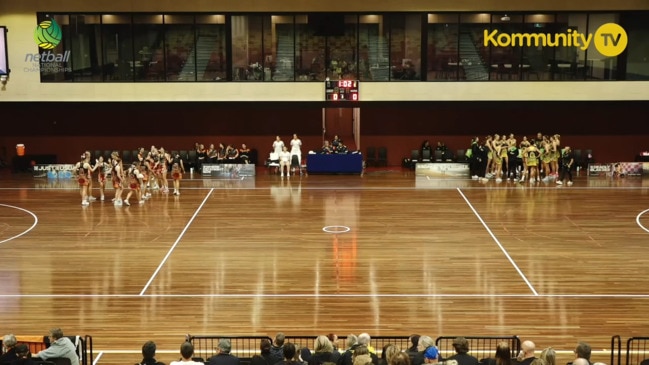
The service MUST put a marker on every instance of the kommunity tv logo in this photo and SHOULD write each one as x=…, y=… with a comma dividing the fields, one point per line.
x=610, y=39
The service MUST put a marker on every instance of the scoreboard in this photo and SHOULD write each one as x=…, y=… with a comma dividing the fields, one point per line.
x=341, y=90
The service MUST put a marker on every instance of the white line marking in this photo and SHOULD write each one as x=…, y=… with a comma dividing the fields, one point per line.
x=97, y=358
x=375, y=188
x=336, y=229
x=498, y=243
x=637, y=220
x=29, y=229
x=158, y=351
x=164, y=260
x=412, y=296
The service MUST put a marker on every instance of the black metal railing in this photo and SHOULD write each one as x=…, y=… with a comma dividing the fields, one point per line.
x=481, y=347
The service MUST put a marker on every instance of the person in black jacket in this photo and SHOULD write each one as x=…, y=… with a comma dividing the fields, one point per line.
x=461, y=346
x=224, y=357
x=265, y=357
x=479, y=158
x=289, y=352
x=9, y=353
x=24, y=357
x=148, y=354
x=413, y=350
x=567, y=161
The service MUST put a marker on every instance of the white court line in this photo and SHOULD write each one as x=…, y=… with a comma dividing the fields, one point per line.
x=175, y=243
x=498, y=243
x=378, y=188
x=99, y=355
x=29, y=229
x=244, y=296
x=637, y=220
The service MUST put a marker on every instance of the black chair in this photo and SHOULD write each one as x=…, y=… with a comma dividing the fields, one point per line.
x=370, y=157
x=447, y=156
x=183, y=157
x=192, y=158
x=414, y=155
x=588, y=158
x=578, y=158
x=97, y=154
x=439, y=156
x=53, y=361
x=253, y=156
x=107, y=154
x=411, y=162
x=60, y=361
x=126, y=156
x=425, y=156
x=382, y=157
x=460, y=156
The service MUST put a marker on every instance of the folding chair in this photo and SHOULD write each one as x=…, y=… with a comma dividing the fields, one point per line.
x=370, y=157
x=382, y=158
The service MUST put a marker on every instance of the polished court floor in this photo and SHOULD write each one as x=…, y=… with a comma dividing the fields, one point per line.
x=386, y=253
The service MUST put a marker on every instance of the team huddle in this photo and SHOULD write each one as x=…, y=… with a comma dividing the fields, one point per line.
x=501, y=157
x=148, y=172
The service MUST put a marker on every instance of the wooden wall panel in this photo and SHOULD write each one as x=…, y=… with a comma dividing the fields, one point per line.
x=609, y=128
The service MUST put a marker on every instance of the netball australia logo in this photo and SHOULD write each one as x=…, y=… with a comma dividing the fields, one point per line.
x=48, y=34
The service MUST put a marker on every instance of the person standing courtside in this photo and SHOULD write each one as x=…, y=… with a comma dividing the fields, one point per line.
x=567, y=160
x=278, y=145
x=296, y=150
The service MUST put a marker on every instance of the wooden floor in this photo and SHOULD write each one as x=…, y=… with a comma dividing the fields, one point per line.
x=386, y=253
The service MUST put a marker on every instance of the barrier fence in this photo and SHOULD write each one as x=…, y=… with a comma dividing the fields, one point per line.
x=481, y=347
x=245, y=347
x=377, y=342
x=637, y=351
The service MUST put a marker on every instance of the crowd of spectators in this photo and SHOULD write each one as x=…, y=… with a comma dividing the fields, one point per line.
x=354, y=350
x=358, y=350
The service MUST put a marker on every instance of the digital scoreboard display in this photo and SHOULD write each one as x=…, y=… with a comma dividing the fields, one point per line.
x=341, y=90
x=4, y=57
